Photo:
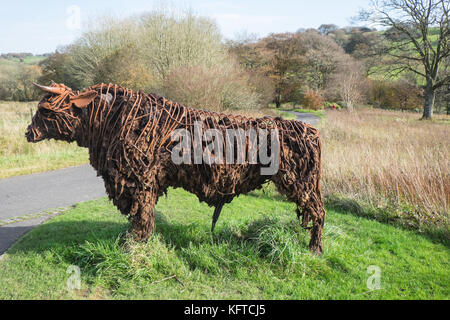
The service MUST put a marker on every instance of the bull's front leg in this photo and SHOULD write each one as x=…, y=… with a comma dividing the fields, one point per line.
x=142, y=215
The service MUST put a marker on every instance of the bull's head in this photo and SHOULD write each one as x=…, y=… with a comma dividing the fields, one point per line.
x=58, y=113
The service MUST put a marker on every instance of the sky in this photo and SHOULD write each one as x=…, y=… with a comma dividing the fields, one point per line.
x=41, y=26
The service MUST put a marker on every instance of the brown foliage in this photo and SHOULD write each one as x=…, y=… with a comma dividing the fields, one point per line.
x=217, y=88
x=313, y=100
x=396, y=95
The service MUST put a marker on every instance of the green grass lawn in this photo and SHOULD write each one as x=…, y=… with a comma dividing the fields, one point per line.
x=258, y=251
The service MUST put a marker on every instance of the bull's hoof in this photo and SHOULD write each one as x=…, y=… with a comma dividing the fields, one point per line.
x=140, y=236
x=316, y=249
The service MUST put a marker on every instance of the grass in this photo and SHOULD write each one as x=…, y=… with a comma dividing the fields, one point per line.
x=258, y=251
x=290, y=107
x=31, y=60
x=20, y=157
x=390, y=166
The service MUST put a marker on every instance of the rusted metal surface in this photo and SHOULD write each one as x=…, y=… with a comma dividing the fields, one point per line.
x=129, y=137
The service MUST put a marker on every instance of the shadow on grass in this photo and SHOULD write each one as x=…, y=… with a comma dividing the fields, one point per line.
x=267, y=239
x=269, y=195
x=102, y=247
x=60, y=234
x=350, y=206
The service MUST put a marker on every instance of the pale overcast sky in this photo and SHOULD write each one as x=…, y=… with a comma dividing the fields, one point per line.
x=41, y=26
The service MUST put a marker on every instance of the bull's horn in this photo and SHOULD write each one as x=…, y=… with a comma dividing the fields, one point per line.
x=57, y=90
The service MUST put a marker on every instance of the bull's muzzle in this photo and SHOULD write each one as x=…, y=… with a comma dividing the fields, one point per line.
x=33, y=135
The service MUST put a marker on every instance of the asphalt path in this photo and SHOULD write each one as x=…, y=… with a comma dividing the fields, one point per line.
x=30, y=199
x=309, y=118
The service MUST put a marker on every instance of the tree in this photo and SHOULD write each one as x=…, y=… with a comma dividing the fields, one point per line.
x=349, y=83
x=16, y=81
x=368, y=48
x=325, y=29
x=323, y=56
x=172, y=39
x=283, y=57
x=421, y=29
x=54, y=68
x=105, y=38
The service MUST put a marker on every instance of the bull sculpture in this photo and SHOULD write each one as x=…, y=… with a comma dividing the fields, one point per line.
x=130, y=137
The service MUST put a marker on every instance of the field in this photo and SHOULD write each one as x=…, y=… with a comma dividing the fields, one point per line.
x=19, y=157
x=30, y=60
x=390, y=166
x=258, y=251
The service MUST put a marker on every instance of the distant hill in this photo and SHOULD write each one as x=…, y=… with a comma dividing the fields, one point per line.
x=26, y=58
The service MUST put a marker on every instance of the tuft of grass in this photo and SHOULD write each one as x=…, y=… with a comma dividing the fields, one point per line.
x=281, y=242
x=258, y=251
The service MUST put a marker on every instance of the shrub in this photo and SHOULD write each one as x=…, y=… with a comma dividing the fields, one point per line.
x=401, y=94
x=313, y=100
x=216, y=88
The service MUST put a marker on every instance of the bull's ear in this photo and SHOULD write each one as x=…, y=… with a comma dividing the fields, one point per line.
x=84, y=98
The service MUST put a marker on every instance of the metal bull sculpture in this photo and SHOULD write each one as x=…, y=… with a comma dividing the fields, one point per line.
x=139, y=143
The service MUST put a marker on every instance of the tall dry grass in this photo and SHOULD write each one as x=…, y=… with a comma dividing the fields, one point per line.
x=17, y=156
x=396, y=165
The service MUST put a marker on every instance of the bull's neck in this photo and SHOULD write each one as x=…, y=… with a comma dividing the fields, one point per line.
x=92, y=130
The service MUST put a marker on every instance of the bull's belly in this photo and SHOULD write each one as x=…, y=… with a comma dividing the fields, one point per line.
x=216, y=191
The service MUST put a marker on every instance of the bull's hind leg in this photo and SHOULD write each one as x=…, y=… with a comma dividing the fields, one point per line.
x=312, y=209
x=142, y=216
x=316, y=213
x=304, y=214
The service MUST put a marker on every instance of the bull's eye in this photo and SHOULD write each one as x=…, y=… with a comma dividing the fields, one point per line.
x=45, y=112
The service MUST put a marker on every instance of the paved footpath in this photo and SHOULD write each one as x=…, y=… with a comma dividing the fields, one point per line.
x=306, y=117
x=27, y=201
x=29, y=198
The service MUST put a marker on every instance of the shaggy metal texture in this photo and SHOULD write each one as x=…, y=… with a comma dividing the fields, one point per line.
x=129, y=137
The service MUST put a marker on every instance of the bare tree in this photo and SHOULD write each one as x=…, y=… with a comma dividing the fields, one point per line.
x=422, y=43
x=172, y=39
x=349, y=83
